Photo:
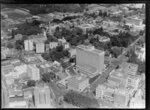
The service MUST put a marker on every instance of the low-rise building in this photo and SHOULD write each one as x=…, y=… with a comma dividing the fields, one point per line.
x=140, y=52
x=4, y=52
x=32, y=59
x=53, y=45
x=78, y=83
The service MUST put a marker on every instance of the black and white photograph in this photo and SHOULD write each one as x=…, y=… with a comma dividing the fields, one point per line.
x=79, y=55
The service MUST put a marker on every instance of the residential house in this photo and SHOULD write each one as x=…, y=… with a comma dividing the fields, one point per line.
x=53, y=45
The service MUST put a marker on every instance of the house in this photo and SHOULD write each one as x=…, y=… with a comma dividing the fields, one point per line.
x=66, y=45
x=140, y=51
x=53, y=45
x=78, y=83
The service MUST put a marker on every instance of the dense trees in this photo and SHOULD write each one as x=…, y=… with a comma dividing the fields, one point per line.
x=80, y=100
x=56, y=54
x=19, y=44
x=28, y=29
x=133, y=59
x=31, y=83
x=48, y=8
x=116, y=51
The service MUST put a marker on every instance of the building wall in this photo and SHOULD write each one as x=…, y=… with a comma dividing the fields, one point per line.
x=4, y=96
x=28, y=44
x=87, y=59
x=42, y=96
x=40, y=48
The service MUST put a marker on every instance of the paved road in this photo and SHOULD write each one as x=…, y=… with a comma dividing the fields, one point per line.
x=102, y=78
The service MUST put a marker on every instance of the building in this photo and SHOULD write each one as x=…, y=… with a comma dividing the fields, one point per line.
x=86, y=27
x=66, y=45
x=141, y=53
x=53, y=45
x=32, y=59
x=104, y=39
x=4, y=52
x=105, y=92
x=72, y=52
x=121, y=98
x=40, y=47
x=129, y=68
x=4, y=94
x=45, y=67
x=134, y=21
x=34, y=73
x=133, y=81
x=42, y=96
x=89, y=60
x=78, y=83
x=28, y=44
x=17, y=102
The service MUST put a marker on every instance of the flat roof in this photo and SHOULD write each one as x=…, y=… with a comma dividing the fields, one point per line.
x=89, y=48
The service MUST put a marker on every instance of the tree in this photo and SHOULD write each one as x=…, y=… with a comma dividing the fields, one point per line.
x=52, y=75
x=116, y=51
x=19, y=44
x=59, y=48
x=66, y=53
x=46, y=77
x=10, y=45
x=46, y=56
x=31, y=83
x=79, y=100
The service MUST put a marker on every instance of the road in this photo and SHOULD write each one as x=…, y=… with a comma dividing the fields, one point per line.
x=102, y=78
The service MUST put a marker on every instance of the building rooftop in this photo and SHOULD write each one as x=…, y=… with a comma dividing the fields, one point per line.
x=77, y=79
x=89, y=48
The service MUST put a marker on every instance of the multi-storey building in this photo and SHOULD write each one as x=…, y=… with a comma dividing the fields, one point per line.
x=89, y=60
x=28, y=44
x=42, y=96
x=40, y=47
x=34, y=73
x=4, y=94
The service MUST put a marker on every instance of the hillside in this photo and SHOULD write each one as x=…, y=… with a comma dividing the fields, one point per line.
x=47, y=8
